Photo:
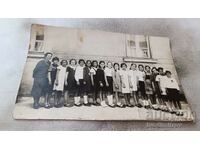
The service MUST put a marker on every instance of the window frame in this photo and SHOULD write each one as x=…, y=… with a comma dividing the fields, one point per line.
x=136, y=48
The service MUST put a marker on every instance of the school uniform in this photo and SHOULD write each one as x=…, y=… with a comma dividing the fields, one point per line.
x=153, y=79
x=93, y=72
x=108, y=73
x=87, y=80
x=125, y=79
x=116, y=81
x=148, y=84
x=71, y=82
x=94, y=89
x=133, y=74
x=61, y=78
x=156, y=91
x=53, y=72
x=172, y=89
x=141, y=76
x=161, y=81
x=100, y=79
x=41, y=83
x=79, y=78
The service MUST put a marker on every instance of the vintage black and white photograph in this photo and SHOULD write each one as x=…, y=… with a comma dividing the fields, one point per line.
x=86, y=74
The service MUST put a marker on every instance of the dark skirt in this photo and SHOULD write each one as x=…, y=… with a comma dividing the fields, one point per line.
x=94, y=88
x=157, y=89
x=173, y=94
x=71, y=86
x=110, y=82
x=40, y=87
x=101, y=88
x=148, y=87
x=80, y=87
x=142, y=88
x=52, y=86
x=88, y=88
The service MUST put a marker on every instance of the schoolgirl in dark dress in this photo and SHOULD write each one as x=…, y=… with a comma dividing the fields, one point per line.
x=71, y=85
x=101, y=83
x=141, y=78
x=109, y=83
x=94, y=90
x=156, y=90
x=148, y=86
x=53, y=71
x=87, y=81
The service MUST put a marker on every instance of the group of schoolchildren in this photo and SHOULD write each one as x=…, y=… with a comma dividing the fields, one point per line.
x=113, y=85
x=104, y=84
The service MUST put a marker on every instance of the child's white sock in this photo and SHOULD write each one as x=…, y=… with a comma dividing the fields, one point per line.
x=85, y=99
x=108, y=97
x=78, y=100
x=75, y=100
x=111, y=100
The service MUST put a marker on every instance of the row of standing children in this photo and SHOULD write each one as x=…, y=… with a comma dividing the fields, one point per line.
x=95, y=83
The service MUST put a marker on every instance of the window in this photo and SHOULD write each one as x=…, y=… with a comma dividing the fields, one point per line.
x=39, y=41
x=37, y=38
x=131, y=43
x=137, y=46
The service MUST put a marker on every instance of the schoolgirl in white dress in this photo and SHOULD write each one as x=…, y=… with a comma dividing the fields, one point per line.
x=60, y=82
x=124, y=74
x=80, y=83
x=133, y=75
x=117, y=87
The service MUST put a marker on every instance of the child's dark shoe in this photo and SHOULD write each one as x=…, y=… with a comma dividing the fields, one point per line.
x=36, y=106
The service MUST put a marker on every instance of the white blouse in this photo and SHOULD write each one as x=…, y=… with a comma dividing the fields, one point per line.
x=79, y=73
x=171, y=83
x=141, y=75
x=161, y=79
x=93, y=70
x=108, y=71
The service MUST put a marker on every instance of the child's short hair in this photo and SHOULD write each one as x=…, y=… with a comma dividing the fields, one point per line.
x=88, y=61
x=45, y=55
x=153, y=69
x=167, y=71
x=116, y=64
x=94, y=62
x=70, y=61
x=147, y=66
x=81, y=60
x=109, y=62
x=123, y=64
x=140, y=65
x=133, y=64
x=101, y=63
x=160, y=68
x=62, y=61
x=55, y=58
